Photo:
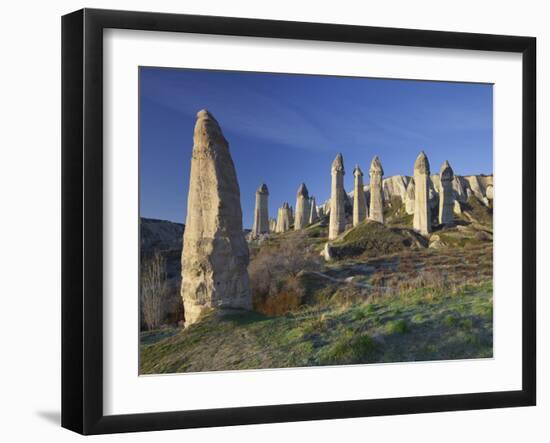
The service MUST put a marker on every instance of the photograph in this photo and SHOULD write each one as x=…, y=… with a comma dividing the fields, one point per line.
x=294, y=220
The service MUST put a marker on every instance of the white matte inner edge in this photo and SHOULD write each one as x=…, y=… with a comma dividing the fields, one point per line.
x=126, y=392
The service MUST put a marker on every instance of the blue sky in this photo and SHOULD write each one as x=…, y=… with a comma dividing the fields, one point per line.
x=285, y=129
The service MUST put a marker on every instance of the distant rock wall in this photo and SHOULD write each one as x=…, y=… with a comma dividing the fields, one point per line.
x=464, y=187
x=166, y=238
x=160, y=235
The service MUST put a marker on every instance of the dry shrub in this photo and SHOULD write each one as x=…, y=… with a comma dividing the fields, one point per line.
x=153, y=290
x=279, y=304
x=348, y=294
x=425, y=279
x=406, y=266
x=275, y=274
x=378, y=279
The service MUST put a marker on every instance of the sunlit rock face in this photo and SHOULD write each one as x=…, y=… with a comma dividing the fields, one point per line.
x=376, y=206
x=283, y=218
x=215, y=253
x=261, y=212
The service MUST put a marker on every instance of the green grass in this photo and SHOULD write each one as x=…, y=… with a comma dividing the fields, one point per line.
x=421, y=324
x=386, y=298
x=481, y=213
x=397, y=327
x=395, y=214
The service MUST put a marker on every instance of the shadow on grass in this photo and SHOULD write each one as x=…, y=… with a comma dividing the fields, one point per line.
x=242, y=318
x=151, y=337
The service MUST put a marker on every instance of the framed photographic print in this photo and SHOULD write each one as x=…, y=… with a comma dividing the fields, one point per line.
x=269, y=221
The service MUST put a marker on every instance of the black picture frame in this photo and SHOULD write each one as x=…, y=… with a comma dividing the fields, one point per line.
x=82, y=218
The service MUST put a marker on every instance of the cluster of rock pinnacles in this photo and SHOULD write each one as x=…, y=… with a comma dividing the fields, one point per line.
x=215, y=252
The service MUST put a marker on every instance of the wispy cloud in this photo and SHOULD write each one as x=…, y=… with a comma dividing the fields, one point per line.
x=256, y=115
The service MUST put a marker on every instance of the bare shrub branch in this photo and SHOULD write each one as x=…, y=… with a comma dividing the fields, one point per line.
x=274, y=274
x=153, y=290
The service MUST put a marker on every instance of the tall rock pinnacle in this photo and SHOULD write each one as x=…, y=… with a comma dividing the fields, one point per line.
x=376, y=207
x=337, y=222
x=446, y=194
x=422, y=217
x=359, y=201
x=283, y=218
x=301, y=217
x=215, y=253
x=261, y=215
x=313, y=216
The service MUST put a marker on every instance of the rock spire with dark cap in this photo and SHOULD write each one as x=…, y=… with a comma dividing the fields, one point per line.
x=337, y=218
x=446, y=195
x=359, y=201
x=301, y=217
x=261, y=214
x=422, y=217
x=376, y=207
x=215, y=253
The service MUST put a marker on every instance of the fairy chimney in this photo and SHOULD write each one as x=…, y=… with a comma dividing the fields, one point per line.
x=446, y=195
x=313, y=216
x=215, y=253
x=283, y=218
x=337, y=222
x=376, y=207
x=261, y=215
x=359, y=201
x=301, y=217
x=422, y=219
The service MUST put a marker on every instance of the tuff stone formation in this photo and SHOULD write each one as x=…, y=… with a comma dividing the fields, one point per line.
x=215, y=253
x=409, y=198
x=261, y=215
x=402, y=186
x=421, y=219
x=272, y=224
x=446, y=195
x=359, y=202
x=313, y=216
x=283, y=218
x=376, y=207
x=301, y=217
x=337, y=221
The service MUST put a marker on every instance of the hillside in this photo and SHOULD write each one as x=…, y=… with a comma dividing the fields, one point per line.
x=165, y=238
x=427, y=323
x=384, y=294
x=160, y=235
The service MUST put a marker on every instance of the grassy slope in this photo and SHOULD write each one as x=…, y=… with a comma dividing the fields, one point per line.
x=421, y=324
x=388, y=298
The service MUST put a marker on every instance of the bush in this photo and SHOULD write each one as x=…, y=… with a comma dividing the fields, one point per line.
x=397, y=327
x=153, y=290
x=350, y=348
x=276, y=274
x=449, y=321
